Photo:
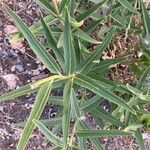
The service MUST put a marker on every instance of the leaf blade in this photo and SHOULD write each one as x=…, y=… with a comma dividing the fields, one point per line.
x=35, y=45
x=92, y=85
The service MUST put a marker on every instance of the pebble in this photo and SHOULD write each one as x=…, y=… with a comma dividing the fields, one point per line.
x=35, y=72
x=19, y=68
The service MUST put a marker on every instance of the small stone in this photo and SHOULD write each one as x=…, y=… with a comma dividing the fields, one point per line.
x=19, y=68
x=11, y=80
x=13, y=68
x=35, y=72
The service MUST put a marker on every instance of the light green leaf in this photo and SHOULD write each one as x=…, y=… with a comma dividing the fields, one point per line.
x=127, y=5
x=92, y=85
x=52, y=42
x=101, y=133
x=53, y=138
x=39, y=104
x=90, y=11
x=35, y=45
x=86, y=65
x=69, y=53
x=66, y=111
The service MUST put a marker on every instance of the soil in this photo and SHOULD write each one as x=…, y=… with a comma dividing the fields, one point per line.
x=19, y=66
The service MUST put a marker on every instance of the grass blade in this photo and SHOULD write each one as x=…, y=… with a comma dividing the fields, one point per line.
x=53, y=138
x=101, y=133
x=35, y=45
x=90, y=11
x=66, y=111
x=95, y=87
x=86, y=65
x=39, y=104
x=69, y=53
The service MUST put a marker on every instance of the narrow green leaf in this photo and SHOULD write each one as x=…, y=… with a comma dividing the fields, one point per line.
x=90, y=11
x=127, y=5
x=39, y=104
x=106, y=63
x=134, y=90
x=145, y=18
x=52, y=42
x=69, y=53
x=75, y=104
x=84, y=36
x=47, y=122
x=51, y=122
x=117, y=17
x=56, y=148
x=86, y=65
x=35, y=45
x=66, y=111
x=101, y=133
x=91, y=103
x=47, y=6
x=138, y=136
x=92, y=85
x=107, y=117
x=56, y=100
x=35, y=28
x=18, y=92
x=63, y=4
x=53, y=138
x=94, y=141
x=81, y=141
x=143, y=77
x=26, y=90
x=92, y=25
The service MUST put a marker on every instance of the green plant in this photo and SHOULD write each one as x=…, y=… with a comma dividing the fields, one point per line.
x=74, y=70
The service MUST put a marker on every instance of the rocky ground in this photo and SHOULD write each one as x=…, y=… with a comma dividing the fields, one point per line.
x=19, y=66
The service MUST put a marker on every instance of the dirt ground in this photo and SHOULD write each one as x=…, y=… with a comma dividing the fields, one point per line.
x=19, y=66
